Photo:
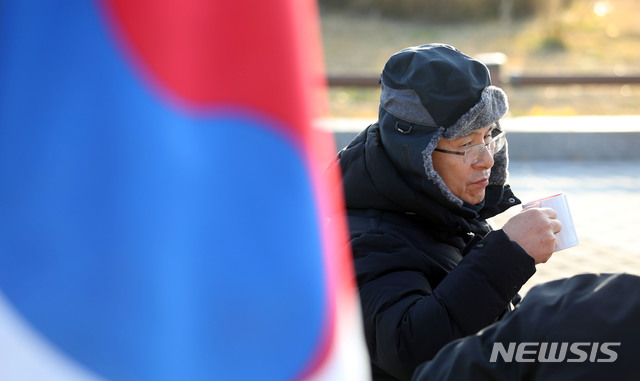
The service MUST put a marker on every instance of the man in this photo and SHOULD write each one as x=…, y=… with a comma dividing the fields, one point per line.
x=419, y=185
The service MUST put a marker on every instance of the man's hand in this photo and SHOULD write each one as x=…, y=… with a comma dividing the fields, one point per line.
x=534, y=230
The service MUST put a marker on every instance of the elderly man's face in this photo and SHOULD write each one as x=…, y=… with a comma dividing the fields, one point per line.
x=465, y=180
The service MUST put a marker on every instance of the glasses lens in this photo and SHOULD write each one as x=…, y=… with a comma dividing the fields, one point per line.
x=498, y=142
x=474, y=153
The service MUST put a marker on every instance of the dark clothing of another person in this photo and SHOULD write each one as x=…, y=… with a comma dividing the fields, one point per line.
x=581, y=328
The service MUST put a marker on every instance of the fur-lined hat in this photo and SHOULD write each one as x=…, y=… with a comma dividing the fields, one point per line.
x=434, y=91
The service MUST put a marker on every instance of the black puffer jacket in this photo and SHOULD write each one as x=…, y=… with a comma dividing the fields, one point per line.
x=429, y=272
x=580, y=328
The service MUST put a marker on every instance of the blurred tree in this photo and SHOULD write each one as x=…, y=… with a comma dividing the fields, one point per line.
x=439, y=10
x=444, y=10
x=552, y=14
x=506, y=11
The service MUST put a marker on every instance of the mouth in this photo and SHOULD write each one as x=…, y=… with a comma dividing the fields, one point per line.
x=483, y=182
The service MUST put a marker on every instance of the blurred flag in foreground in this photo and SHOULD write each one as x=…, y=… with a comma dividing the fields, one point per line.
x=163, y=204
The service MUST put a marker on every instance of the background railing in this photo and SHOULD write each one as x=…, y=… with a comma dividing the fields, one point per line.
x=499, y=80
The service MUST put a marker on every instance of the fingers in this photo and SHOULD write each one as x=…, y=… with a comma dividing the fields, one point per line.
x=535, y=229
x=556, y=225
x=550, y=238
x=545, y=211
x=536, y=205
x=549, y=241
x=554, y=222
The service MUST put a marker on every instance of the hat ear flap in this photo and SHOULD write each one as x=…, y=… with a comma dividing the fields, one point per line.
x=499, y=171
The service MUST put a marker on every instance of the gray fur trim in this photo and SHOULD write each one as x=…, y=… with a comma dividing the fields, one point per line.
x=499, y=172
x=491, y=107
x=432, y=175
x=406, y=105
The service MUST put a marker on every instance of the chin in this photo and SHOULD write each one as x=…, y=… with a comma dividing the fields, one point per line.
x=474, y=199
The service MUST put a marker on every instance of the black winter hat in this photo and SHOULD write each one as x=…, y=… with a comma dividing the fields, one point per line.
x=431, y=92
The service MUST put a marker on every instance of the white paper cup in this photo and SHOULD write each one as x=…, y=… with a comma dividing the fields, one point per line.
x=567, y=237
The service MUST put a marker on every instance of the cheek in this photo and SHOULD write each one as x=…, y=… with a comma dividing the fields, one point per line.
x=453, y=172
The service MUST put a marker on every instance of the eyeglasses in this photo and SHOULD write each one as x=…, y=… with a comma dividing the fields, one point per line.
x=473, y=154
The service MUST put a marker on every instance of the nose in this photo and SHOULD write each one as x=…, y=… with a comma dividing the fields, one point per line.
x=485, y=159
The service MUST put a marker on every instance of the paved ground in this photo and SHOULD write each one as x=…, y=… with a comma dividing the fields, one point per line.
x=604, y=198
